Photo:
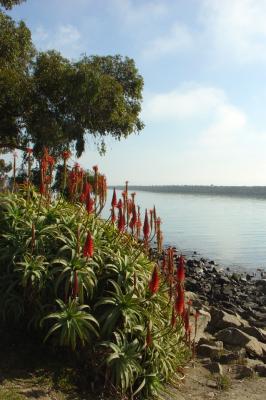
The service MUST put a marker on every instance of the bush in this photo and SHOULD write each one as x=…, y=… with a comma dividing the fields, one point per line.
x=100, y=306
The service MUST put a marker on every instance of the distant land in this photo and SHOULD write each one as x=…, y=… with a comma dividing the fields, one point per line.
x=238, y=191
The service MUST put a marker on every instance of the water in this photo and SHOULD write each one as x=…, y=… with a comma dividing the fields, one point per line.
x=229, y=230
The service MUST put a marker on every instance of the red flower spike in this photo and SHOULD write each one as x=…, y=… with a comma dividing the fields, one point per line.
x=89, y=204
x=151, y=219
x=180, y=301
x=146, y=227
x=114, y=200
x=133, y=197
x=186, y=320
x=154, y=283
x=113, y=216
x=76, y=285
x=133, y=220
x=120, y=204
x=121, y=220
x=88, y=249
x=66, y=155
x=197, y=314
x=181, y=270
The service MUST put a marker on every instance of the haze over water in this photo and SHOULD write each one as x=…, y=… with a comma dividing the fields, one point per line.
x=228, y=230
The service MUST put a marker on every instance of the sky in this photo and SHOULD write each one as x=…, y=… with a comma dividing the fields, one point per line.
x=204, y=69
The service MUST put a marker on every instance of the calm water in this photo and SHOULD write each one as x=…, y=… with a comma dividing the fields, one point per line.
x=229, y=230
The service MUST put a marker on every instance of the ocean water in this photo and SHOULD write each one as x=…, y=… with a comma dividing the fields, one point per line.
x=229, y=230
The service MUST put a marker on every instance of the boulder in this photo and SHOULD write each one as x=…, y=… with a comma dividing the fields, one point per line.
x=261, y=285
x=206, y=350
x=214, y=368
x=221, y=319
x=261, y=370
x=242, y=371
x=258, y=333
x=235, y=337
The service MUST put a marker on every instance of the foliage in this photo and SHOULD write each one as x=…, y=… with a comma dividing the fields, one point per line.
x=100, y=306
x=16, y=54
x=50, y=101
x=8, y=4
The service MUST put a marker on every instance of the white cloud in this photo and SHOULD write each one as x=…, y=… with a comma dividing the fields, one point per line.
x=189, y=101
x=235, y=29
x=141, y=13
x=65, y=38
x=177, y=39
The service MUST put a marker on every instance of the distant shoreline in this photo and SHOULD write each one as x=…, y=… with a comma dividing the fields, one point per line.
x=236, y=191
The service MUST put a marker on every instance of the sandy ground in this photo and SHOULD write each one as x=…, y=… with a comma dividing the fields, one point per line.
x=200, y=384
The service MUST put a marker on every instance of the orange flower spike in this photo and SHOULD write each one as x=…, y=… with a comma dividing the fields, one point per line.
x=88, y=249
x=154, y=283
x=146, y=227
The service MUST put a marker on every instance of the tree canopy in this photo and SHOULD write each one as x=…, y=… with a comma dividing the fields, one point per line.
x=8, y=4
x=48, y=100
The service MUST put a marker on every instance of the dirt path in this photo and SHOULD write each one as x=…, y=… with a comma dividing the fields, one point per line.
x=200, y=384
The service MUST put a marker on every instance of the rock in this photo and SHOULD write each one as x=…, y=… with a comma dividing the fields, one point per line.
x=235, y=337
x=214, y=368
x=242, y=371
x=261, y=370
x=202, y=322
x=222, y=320
x=206, y=350
x=261, y=285
x=231, y=357
x=258, y=333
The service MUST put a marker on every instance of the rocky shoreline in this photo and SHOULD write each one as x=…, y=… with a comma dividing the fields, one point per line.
x=231, y=328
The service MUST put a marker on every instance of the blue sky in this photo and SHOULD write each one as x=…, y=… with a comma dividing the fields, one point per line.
x=203, y=63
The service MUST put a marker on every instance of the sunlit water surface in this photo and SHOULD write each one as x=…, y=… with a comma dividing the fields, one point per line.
x=229, y=230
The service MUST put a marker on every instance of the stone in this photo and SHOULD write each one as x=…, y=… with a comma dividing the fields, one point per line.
x=221, y=320
x=258, y=333
x=261, y=370
x=261, y=285
x=206, y=350
x=214, y=368
x=229, y=358
x=235, y=337
x=202, y=323
x=242, y=371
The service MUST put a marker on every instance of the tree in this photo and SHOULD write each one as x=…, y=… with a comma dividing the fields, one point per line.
x=16, y=54
x=96, y=95
x=48, y=100
x=8, y=4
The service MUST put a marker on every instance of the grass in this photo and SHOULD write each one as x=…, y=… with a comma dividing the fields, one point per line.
x=11, y=394
x=223, y=382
